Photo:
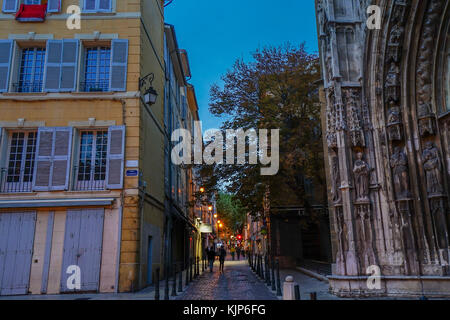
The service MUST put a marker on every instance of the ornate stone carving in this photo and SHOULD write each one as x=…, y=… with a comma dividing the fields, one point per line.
x=361, y=171
x=399, y=165
x=352, y=100
x=331, y=120
x=394, y=125
x=424, y=68
x=433, y=168
x=336, y=191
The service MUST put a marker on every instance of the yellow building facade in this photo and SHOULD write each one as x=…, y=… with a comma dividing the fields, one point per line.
x=82, y=154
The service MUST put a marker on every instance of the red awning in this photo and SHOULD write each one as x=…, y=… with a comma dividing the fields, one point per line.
x=31, y=12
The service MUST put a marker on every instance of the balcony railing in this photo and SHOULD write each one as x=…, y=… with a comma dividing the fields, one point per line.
x=93, y=86
x=83, y=184
x=17, y=182
x=28, y=86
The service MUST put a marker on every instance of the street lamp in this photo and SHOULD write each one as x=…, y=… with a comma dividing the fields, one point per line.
x=202, y=190
x=150, y=95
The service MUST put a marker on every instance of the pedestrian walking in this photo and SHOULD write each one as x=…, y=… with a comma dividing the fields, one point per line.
x=233, y=251
x=222, y=256
x=238, y=252
x=211, y=257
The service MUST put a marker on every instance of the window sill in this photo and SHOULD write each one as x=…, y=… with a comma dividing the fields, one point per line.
x=24, y=93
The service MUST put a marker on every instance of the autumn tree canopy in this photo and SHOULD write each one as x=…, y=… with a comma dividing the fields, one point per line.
x=278, y=89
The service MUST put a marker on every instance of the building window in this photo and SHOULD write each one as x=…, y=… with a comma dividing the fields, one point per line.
x=32, y=2
x=21, y=155
x=97, y=69
x=97, y=5
x=91, y=173
x=31, y=72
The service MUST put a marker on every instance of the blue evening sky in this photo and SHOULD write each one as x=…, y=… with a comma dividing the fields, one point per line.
x=217, y=32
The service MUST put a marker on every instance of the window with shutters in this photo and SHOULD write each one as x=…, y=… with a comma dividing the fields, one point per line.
x=31, y=70
x=97, y=65
x=92, y=6
x=92, y=158
x=18, y=175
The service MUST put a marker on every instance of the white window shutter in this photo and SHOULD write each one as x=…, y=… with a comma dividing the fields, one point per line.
x=89, y=5
x=104, y=5
x=61, y=159
x=53, y=56
x=6, y=53
x=116, y=157
x=119, y=61
x=43, y=161
x=69, y=66
x=54, y=6
x=10, y=5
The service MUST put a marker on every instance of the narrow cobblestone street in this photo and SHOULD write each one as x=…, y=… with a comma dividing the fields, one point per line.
x=236, y=283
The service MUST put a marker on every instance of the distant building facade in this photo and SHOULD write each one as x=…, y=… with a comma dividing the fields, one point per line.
x=386, y=103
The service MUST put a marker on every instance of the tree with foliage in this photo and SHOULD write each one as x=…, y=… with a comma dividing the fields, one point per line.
x=278, y=89
x=231, y=212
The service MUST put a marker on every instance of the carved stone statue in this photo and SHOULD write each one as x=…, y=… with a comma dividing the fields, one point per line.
x=362, y=172
x=399, y=164
x=336, y=180
x=392, y=77
x=396, y=34
x=433, y=169
x=394, y=123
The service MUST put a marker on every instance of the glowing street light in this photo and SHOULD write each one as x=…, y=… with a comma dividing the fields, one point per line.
x=202, y=189
x=210, y=208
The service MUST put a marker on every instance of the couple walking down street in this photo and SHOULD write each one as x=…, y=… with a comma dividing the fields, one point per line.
x=211, y=254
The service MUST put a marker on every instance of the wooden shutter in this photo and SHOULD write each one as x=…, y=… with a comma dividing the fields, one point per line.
x=54, y=147
x=61, y=159
x=6, y=53
x=119, y=60
x=43, y=164
x=10, y=5
x=89, y=6
x=116, y=156
x=69, y=65
x=53, y=5
x=53, y=58
x=104, y=5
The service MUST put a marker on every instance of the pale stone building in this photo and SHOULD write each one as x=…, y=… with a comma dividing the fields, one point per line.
x=386, y=106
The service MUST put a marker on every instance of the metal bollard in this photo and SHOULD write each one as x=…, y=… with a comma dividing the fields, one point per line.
x=272, y=262
x=198, y=266
x=180, y=279
x=266, y=258
x=297, y=292
x=187, y=275
x=277, y=264
x=313, y=295
x=166, y=289
x=263, y=270
x=203, y=265
x=157, y=284
x=174, y=284
x=190, y=269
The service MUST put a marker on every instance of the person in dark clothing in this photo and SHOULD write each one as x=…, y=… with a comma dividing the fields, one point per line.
x=222, y=256
x=211, y=257
x=238, y=252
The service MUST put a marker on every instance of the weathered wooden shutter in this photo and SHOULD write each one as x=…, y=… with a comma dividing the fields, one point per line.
x=89, y=6
x=104, y=5
x=43, y=163
x=10, y=5
x=6, y=53
x=116, y=156
x=119, y=60
x=53, y=57
x=54, y=147
x=69, y=65
x=61, y=159
x=54, y=5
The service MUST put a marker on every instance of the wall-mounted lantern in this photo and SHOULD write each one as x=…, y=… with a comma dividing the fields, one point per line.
x=150, y=95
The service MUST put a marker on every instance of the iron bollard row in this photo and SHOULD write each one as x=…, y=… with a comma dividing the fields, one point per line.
x=180, y=279
x=166, y=289
x=277, y=265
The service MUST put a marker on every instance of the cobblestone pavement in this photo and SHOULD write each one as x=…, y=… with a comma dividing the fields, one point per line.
x=236, y=283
